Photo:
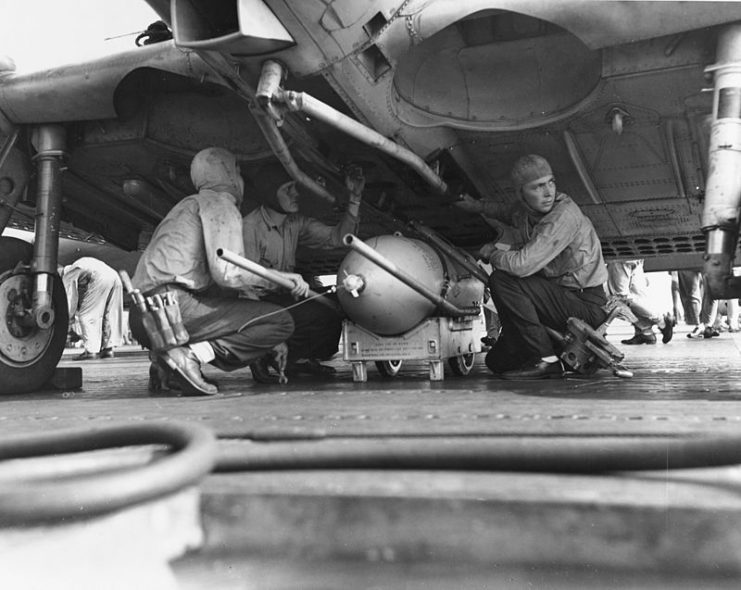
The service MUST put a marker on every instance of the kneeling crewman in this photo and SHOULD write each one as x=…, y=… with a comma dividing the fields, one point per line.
x=227, y=332
x=553, y=270
x=272, y=234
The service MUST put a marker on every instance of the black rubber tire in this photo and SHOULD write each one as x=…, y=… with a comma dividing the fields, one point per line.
x=389, y=368
x=32, y=375
x=462, y=365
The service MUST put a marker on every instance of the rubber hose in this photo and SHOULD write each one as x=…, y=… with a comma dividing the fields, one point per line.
x=192, y=456
x=543, y=455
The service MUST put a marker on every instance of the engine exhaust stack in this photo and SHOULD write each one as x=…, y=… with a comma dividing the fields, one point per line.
x=720, y=218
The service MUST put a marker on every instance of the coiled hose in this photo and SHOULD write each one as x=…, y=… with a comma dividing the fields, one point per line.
x=192, y=456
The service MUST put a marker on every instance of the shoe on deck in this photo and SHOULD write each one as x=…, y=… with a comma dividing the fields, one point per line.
x=163, y=378
x=310, y=367
x=667, y=332
x=261, y=372
x=184, y=362
x=640, y=338
x=710, y=332
x=87, y=356
x=539, y=370
x=107, y=353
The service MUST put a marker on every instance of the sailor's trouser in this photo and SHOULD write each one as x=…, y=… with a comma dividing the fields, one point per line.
x=239, y=330
x=526, y=305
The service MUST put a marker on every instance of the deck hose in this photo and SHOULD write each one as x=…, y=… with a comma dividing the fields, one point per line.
x=194, y=453
x=543, y=454
x=192, y=456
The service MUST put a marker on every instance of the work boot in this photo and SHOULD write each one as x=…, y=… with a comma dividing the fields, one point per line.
x=710, y=332
x=276, y=359
x=261, y=371
x=538, y=370
x=87, y=356
x=107, y=353
x=182, y=360
x=640, y=338
x=667, y=332
x=310, y=367
x=163, y=378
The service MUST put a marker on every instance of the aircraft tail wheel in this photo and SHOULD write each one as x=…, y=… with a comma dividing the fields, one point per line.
x=388, y=368
x=462, y=365
x=28, y=354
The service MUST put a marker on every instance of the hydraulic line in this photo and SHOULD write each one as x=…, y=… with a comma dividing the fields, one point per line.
x=596, y=455
x=192, y=455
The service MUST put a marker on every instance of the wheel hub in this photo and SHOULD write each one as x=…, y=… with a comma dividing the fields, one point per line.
x=21, y=341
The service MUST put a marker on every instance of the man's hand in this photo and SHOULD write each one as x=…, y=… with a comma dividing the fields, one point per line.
x=469, y=204
x=355, y=183
x=301, y=287
x=487, y=250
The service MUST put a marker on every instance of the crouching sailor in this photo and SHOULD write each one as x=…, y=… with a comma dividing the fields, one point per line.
x=272, y=235
x=180, y=262
x=551, y=269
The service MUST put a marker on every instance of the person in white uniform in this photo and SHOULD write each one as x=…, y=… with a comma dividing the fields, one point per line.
x=95, y=293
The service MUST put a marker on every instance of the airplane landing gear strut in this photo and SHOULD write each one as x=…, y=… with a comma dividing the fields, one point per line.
x=50, y=143
x=33, y=304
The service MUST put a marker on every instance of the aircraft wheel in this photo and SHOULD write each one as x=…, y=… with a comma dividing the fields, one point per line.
x=28, y=354
x=462, y=365
x=388, y=368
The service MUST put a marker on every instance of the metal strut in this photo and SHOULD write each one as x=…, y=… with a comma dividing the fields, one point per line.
x=50, y=141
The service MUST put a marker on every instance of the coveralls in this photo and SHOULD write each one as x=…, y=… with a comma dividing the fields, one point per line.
x=554, y=270
x=95, y=293
x=181, y=257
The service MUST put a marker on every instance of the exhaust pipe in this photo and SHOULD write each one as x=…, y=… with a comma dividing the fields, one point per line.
x=264, y=118
x=720, y=216
x=270, y=94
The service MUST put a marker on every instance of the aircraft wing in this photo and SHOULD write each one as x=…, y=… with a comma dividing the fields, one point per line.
x=430, y=97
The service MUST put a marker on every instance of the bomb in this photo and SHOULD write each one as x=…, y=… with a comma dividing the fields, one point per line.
x=381, y=302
